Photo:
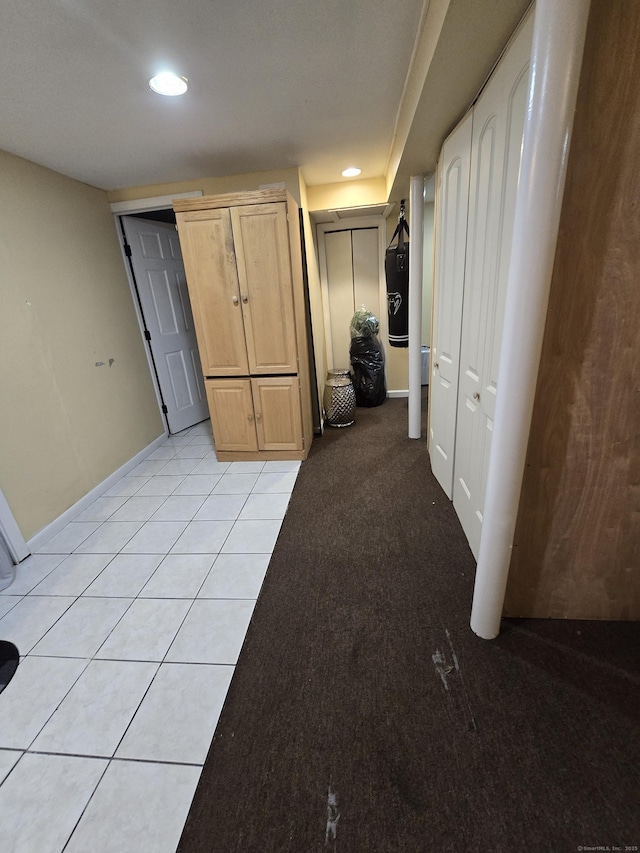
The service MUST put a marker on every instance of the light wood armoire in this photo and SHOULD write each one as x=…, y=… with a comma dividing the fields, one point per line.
x=243, y=263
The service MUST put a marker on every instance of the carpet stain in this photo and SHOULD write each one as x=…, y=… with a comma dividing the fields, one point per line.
x=443, y=667
x=333, y=816
x=451, y=669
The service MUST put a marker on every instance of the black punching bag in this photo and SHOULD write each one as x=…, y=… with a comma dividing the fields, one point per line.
x=396, y=268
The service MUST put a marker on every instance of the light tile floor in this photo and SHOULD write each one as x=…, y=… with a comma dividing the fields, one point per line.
x=129, y=623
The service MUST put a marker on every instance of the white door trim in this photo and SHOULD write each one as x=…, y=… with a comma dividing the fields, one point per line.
x=137, y=309
x=144, y=205
x=355, y=222
x=416, y=285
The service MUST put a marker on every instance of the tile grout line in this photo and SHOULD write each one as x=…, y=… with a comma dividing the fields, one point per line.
x=86, y=806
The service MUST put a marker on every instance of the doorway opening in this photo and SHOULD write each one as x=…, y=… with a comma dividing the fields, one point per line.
x=153, y=260
x=351, y=263
x=351, y=267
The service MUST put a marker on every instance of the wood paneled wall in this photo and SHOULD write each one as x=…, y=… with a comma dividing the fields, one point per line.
x=577, y=543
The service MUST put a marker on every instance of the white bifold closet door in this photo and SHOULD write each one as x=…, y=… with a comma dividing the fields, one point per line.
x=353, y=279
x=451, y=233
x=494, y=163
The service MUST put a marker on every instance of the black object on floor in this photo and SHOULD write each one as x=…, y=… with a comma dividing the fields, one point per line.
x=9, y=660
x=365, y=716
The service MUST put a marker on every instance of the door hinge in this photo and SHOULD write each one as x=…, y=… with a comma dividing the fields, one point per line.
x=147, y=335
x=164, y=409
x=127, y=250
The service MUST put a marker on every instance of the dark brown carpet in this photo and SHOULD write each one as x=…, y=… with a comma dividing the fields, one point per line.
x=365, y=716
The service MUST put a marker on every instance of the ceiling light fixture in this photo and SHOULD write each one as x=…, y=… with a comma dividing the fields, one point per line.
x=351, y=172
x=168, y=83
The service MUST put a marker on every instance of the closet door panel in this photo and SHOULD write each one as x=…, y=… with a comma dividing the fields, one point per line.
x=451, y=235
x=366, y=269
x=515, y=96
x=496, y=150
x=212, y=280
x=479, y=293
x=339, y=257
x=261, y=239
x=352, y=259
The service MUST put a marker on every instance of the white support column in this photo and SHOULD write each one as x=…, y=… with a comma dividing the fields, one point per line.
x=556, y=59
x=415, y=303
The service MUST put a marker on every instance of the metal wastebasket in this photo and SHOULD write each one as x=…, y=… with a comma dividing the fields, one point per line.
x=424, y=354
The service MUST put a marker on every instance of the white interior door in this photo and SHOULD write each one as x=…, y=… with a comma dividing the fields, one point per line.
x=160, y=280
x=352, y=280
x=451, y=234
x=496, y=145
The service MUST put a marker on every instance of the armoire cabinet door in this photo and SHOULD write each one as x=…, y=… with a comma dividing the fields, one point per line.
x=261, y=238
x=232, y=416
x=208, y=252
x=276, y=403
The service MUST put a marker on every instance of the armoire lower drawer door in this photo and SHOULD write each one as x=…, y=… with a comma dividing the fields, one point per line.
x=276, y=402
x=232, y=417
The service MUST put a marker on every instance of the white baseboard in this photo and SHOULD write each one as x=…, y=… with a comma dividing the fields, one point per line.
x=48, y=532
x=398, y=393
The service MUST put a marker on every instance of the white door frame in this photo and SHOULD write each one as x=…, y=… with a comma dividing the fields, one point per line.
x=144, y=205
x=416, y=286
x=355, y=222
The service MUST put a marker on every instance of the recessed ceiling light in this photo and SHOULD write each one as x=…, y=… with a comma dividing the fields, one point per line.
x=351, y=172
x=168, y=83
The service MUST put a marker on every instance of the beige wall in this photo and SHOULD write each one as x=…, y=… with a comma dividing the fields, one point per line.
x=214, y=186
x=397, y=367
x=347, y=194
x=427, y=272
x=66, y=424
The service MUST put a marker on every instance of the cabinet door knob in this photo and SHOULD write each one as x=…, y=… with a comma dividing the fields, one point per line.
x=258, y=416
x=245, y=298
x=436, y=365
x=250, y=418
x=234, y=299
x=476, y=396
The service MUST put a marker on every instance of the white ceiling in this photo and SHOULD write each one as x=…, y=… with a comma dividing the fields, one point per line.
x=273, y=84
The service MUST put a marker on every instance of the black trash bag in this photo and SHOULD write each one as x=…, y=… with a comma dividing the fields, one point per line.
x=367, y=362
